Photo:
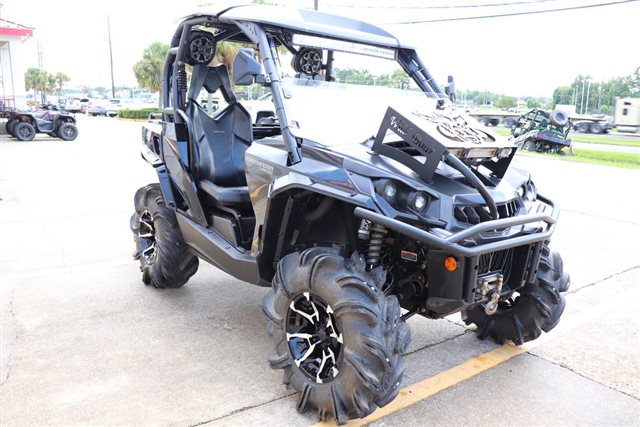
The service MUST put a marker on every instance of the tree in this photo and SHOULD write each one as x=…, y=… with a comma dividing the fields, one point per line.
x=634, y=83
x=606, y=109
x=562, y=95
x=148, y=70
x=398, y=77
x=38, y=80
x=225, y=54
x=31, y=79
x=61, y=79
x=506, y=102
x=50, y=85
x=533, y=103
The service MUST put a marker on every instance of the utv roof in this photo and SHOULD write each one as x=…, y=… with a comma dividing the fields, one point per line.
x=309, y=22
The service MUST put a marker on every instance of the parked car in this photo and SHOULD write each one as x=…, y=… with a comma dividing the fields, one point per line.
x=113, y=106
x=97, y=107
x=262, y=109
x=72, y=105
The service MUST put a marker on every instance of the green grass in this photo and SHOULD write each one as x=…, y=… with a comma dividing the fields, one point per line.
x=607, y=158
x=585, y=138
x=604, y=158
x=605, y=140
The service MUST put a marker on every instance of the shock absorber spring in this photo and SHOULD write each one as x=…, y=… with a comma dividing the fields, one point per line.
x=374, y=248
x=182, y=79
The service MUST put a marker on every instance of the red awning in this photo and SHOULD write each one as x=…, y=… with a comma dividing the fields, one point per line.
x=8, y=28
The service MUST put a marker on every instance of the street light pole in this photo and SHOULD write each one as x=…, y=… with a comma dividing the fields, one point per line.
x=113, y=87
x=588, y=87
x=582, y=99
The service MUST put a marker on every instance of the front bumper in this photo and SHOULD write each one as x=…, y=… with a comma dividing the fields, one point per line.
x=453, y=244
x=474, y=248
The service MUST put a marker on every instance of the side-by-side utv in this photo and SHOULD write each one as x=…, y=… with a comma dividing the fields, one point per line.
x=358, y=205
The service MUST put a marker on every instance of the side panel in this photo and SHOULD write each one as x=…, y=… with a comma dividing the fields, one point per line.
x=207, y=244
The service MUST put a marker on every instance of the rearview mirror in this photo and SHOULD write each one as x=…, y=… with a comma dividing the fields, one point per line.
x=245, y=67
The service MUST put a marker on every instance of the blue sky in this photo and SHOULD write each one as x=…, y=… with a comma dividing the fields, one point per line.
x=521, y=55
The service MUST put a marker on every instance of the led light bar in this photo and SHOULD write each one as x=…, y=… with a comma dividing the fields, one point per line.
x=343, y=46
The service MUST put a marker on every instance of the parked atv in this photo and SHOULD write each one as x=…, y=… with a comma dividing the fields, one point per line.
x=541, y=131
x=358, y=206
x=25, y=124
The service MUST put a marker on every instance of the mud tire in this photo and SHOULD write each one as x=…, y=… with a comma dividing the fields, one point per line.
x=172, y=264
x=559, y=118
x=67, y=131
x=10, y=125
x=537, y=308
x=24, y=131
x=370, y=364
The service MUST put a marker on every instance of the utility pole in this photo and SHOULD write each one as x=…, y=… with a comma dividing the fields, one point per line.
x=113, y=87
x=588, y=87
x=39, y=54
x=582, y=99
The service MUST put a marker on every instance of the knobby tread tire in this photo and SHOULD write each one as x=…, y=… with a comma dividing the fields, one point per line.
x=10, y=125
x=174, y=264
x=375, y=335
x=62, y=133
x=537, y=308
x=27, y=135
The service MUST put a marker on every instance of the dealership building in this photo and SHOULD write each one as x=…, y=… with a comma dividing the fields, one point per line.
x=16, y=41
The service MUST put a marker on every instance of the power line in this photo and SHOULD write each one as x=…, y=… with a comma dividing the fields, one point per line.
x=533, y=12
x=459, y=6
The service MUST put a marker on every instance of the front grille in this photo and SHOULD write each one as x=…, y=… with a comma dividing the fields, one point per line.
x=476, y=214
x=496, y=261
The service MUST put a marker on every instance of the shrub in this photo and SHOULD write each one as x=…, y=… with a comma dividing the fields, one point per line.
x=136, y=114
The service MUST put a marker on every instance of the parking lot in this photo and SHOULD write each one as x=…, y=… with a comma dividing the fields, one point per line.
x=84, y=342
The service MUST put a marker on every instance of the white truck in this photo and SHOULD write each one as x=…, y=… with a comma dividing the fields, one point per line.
x=627, y=114
x=626, y=118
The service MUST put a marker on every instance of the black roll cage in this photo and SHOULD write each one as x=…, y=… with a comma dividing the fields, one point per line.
x=174, y=78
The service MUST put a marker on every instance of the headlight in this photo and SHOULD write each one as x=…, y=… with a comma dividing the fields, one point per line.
x=390, y=190
x=402, y=197
x=420, y=201
x=521, y=191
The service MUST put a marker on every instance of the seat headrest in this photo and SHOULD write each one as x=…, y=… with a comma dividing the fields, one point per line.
x=212, y=79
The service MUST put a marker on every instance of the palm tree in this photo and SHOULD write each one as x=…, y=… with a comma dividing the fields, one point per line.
x=61, y=79
x=148, y=70
x=38, y=80
x=225, y=54
x=50, y=85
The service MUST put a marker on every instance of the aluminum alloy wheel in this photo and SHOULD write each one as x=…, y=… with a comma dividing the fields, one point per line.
x=25, y=132
x=147, y=237
x=313, y=337
x=68, y=131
